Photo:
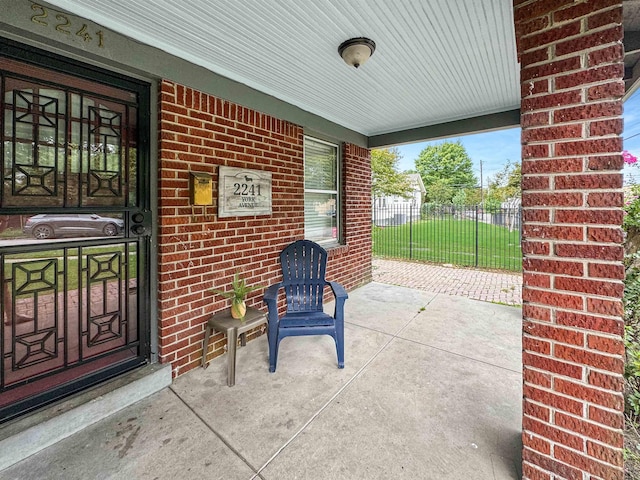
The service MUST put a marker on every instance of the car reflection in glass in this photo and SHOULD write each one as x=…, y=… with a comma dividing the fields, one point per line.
x=45, y=226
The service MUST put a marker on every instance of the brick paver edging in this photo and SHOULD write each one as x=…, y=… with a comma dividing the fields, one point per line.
x=497, y=287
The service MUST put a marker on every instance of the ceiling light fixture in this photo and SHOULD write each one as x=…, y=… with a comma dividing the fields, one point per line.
x=356, y=51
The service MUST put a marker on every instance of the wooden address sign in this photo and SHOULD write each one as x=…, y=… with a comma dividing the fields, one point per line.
x=243, y=192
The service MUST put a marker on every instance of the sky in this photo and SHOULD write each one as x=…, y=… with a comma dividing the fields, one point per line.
x=495, y=148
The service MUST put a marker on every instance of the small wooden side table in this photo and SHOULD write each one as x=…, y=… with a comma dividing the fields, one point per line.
x=224, y=322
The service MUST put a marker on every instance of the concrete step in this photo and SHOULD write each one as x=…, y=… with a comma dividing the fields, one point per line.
x=28, y=435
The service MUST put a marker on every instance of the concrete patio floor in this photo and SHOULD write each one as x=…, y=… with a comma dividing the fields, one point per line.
x=431, y=390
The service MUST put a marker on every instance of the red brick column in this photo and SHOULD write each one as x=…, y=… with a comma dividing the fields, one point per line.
x=573, y=356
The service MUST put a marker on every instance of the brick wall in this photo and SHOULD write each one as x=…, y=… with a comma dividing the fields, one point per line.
x=571, y=72
x=198, y=251
x=356, y=214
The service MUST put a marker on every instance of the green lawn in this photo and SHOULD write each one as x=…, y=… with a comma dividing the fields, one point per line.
x=450, y=240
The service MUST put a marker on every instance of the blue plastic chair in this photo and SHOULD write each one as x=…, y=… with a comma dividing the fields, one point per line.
x=303, y=280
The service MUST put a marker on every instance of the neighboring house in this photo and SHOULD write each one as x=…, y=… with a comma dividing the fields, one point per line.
x=396, y=209
x=512, y=202
x=508, y=215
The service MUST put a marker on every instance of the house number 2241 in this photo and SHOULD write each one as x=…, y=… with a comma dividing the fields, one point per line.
x=243, y=189
x=63, y=25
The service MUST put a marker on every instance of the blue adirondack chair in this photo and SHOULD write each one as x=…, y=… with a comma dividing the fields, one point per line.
x=303, y=271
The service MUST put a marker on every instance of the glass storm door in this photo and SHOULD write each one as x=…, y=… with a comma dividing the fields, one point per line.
x=74, y=227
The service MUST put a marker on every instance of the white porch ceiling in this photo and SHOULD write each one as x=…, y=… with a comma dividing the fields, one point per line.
x=436, y=61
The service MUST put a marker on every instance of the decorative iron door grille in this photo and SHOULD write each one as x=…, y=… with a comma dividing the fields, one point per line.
x=74, y=227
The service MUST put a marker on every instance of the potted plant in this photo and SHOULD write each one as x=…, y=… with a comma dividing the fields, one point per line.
x=237, y=294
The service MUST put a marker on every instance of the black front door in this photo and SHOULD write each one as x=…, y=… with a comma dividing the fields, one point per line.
x=74, y=227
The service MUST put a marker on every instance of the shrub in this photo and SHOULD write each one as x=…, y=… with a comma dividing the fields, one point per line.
x=632, y=334
x=492, y=204
x=632, y=209
x=430, y=208
x=631, y=225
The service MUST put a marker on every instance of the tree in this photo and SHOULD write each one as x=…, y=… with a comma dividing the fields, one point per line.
x=505, y=187
x=447, y=163
x=505, y=184
x=439, y=191
x=460, y=199
x=474, y=195
x=387, y=180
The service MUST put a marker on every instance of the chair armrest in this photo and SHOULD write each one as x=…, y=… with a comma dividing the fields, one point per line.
x=271, y=294
x=341, y=296
x=338, y=290
x=271, y=299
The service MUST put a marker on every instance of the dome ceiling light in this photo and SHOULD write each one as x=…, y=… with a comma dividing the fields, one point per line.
x=356, y=51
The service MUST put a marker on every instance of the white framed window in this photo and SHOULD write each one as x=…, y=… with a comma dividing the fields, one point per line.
x=321, y=187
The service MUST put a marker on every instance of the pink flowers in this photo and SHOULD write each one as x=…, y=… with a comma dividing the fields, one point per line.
x=628, y=158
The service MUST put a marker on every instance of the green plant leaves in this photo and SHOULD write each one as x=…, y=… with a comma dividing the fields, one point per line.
x=239, y=289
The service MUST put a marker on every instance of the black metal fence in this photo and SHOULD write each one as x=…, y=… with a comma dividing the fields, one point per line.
x=469, y=235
